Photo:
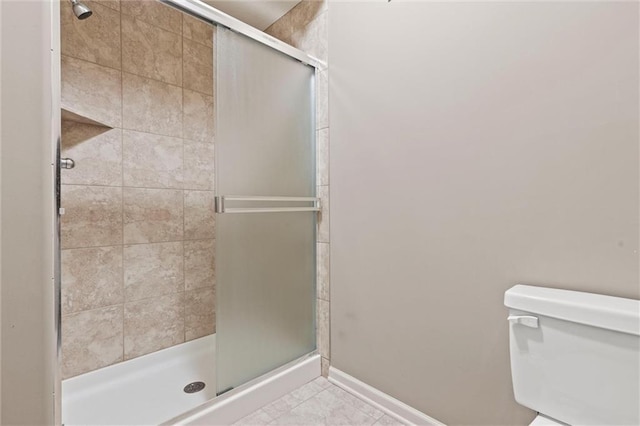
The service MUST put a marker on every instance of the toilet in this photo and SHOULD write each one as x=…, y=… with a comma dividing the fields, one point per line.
x=575, y=357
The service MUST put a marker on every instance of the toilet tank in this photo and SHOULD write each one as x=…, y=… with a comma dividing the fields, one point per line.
x=575, y=357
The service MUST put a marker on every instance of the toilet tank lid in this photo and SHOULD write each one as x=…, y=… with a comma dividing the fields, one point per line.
x=612, y=313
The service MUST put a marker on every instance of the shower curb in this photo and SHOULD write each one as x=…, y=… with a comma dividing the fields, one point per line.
x=238, y=403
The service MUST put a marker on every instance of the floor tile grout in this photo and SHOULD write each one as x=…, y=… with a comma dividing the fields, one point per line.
x=298, y=404
x=330, y=389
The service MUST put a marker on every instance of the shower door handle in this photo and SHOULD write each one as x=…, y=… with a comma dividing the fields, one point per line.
x=223, y=200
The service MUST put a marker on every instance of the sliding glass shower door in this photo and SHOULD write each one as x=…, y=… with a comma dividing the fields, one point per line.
x=266, y=209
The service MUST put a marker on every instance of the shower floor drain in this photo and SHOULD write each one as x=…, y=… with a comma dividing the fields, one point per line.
x=194, y=387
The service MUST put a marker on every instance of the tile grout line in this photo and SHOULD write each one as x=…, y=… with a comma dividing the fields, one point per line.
x=137, y=187
x=184, y=269
x=182, y=17
x=359, y=399
x=157, y=26
x=123, y=72
x=296, y=405
x=138, y=18
x=135, y=244
x=115, y=305
x=328, y=390
x=122, y=180
x=164, y=134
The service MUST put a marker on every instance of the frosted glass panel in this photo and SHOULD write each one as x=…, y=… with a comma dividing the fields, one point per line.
x=265, y=262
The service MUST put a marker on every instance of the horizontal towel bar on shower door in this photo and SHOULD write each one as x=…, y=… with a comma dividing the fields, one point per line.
x=221, y=206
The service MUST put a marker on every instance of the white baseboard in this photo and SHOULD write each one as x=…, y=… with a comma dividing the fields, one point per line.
x=386, y=403
x=229, y=408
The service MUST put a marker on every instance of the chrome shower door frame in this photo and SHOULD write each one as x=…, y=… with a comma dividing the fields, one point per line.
x=196, y=8
x=214, y=16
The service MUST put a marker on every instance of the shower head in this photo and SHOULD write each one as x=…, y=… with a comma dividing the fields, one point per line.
x=81, y=10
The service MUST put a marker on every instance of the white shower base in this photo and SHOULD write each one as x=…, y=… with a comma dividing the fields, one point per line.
x=143, y=391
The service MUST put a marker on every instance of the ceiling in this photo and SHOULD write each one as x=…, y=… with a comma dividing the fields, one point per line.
x=257, y=13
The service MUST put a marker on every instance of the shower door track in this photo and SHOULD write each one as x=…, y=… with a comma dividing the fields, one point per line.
x=214, y=16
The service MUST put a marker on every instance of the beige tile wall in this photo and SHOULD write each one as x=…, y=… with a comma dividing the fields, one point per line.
x=138, y=229
x=305, y=27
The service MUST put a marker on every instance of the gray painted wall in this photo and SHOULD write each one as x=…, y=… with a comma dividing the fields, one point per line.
x=27, y=330
x=474, y=146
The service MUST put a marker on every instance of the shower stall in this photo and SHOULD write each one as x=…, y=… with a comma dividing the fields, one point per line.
x=188, y=209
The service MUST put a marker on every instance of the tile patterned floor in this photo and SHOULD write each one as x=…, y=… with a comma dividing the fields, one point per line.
x=318, y=403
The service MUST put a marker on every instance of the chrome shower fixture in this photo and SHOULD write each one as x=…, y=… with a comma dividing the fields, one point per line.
x=80, y=9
